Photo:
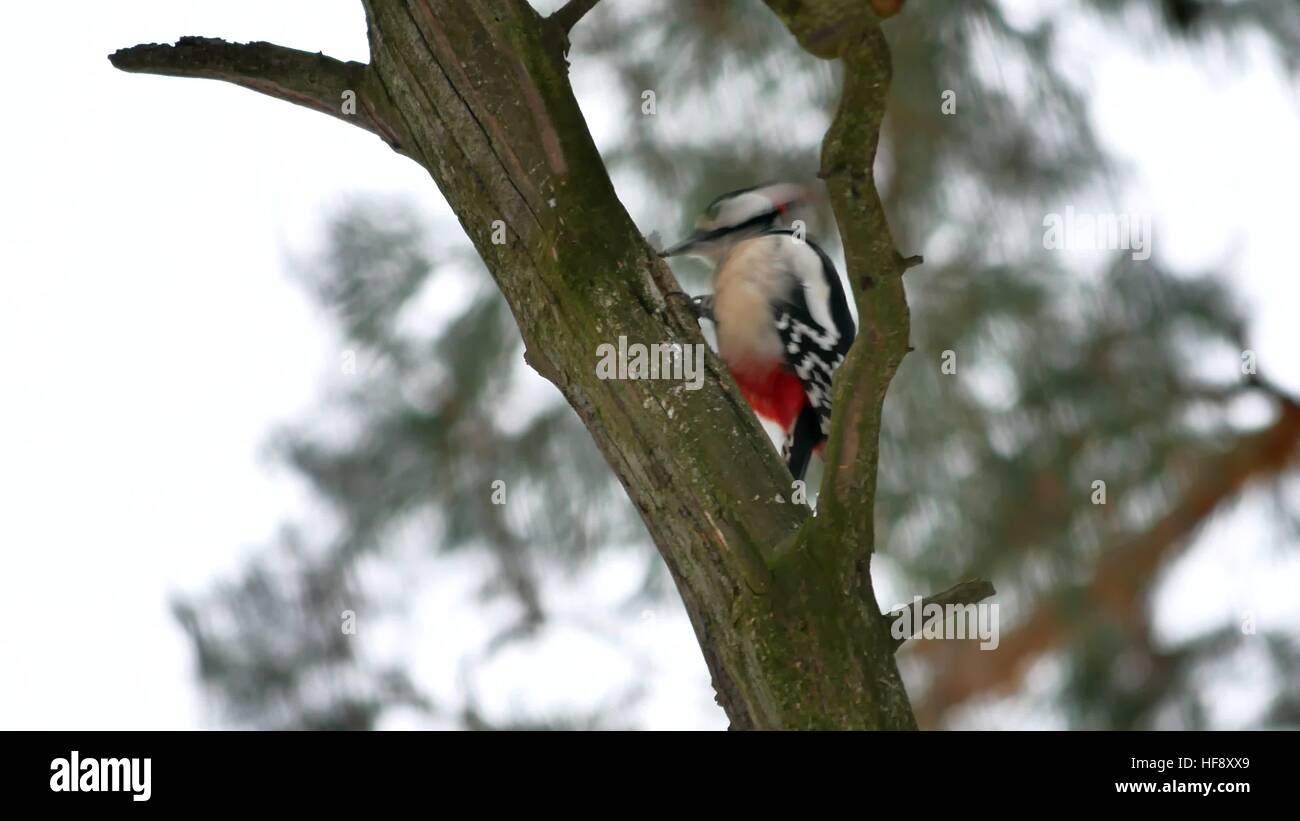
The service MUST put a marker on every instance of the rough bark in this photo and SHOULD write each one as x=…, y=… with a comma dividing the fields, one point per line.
x=477, y=93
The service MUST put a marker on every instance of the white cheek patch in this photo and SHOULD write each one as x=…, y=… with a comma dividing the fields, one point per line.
x=738, y=210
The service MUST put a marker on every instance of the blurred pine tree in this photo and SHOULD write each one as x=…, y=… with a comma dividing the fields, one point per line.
x=1066, y=378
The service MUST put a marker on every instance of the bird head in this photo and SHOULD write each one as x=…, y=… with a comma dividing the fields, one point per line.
x=739, y=215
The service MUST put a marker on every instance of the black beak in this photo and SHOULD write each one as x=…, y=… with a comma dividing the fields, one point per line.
x=681, y=247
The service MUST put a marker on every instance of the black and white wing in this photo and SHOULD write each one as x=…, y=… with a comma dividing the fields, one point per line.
x=816, y=331
x=814, y=322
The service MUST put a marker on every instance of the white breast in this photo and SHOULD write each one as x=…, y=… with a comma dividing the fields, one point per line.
x=745, y=285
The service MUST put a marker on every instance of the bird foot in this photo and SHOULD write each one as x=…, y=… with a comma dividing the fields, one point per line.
x=701, y=306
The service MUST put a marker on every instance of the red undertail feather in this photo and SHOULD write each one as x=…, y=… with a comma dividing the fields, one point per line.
x=774, y=392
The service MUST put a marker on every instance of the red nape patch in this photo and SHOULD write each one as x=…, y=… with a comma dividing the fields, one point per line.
x=774, y=393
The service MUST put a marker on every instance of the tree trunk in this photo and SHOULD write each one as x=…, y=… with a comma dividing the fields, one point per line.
x=477, y=92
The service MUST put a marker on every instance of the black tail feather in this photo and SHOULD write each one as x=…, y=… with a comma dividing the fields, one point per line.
x=806, y=437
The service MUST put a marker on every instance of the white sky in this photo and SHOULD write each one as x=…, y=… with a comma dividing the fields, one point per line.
x=144, y=224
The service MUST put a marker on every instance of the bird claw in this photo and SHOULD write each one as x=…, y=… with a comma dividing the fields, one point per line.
x=701, y=306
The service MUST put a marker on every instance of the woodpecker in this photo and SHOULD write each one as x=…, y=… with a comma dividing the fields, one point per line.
x=782, y=319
